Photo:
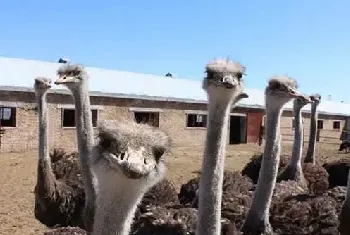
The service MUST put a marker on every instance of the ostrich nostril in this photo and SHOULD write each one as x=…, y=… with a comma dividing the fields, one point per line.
x=122, y=155
x=145, y=161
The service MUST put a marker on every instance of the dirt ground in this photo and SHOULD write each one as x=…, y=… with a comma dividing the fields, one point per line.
x=18, y=176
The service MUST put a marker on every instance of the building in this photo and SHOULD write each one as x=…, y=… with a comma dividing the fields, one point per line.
x=177, y=106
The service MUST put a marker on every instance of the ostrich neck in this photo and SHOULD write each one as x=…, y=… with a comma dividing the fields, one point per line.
x=348, y=190
x=45, y=173
x=298, y=138
x=210, y=189
x=269, y=166
x=115, y=207
x=84, y=129
x=310, y=154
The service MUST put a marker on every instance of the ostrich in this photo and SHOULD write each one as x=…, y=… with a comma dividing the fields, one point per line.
x=280, y=90
x=76, y=79
x=309, y=176
x=344, y=216
x=174, y=220
x=56, y=202
x=293, y=171
x=252, y=168
x=310, y=154
x=66, y=231
x=189, y=191
x=223, y=85
x=127, y=161
x=345, y=145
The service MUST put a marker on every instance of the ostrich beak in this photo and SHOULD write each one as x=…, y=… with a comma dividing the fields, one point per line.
x=294, y=93
x=64, y=80
x=306, y=98
x=244, y=95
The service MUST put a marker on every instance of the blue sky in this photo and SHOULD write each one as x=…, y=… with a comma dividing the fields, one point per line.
x=308, y=40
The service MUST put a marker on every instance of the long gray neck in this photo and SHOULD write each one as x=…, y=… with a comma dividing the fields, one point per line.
x=45, y=176
x=84, y=129
x=348, y=190
x=269, y=169
x=115, y=208
x=298, y=138
x=310, y=154
x=210, y=189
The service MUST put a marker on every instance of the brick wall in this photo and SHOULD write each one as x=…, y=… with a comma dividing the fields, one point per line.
x=327, y=134
x=172, y=120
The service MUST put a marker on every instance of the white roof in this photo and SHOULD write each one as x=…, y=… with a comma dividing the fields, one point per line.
x=21, y=72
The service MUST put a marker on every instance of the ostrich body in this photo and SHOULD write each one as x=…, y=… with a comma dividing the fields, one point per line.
x=56, y=202
x=223, y=86
x=344, y=216
x=127, y=161
x=345, y=145
x=173, y=220
x=76, y=79
x=294, y=171
x=279, y=91
x=66, y=231
x=310, y=154
x=252, y=168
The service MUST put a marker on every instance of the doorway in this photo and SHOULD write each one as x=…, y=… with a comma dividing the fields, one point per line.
x=238, y=129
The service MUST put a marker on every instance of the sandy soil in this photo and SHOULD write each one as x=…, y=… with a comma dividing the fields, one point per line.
x=18, y=176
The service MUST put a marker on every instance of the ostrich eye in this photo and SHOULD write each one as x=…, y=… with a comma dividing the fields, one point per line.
x=158, y=152
x=239, y=75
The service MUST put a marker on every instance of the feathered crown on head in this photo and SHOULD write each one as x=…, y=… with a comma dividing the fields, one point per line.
x=224, y=66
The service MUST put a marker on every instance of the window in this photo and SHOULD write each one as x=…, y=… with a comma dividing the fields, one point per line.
x=319, y=124
x=336, y=125
x=196, y=120
x=7, y=117
x=68, y=117
x=151, y=118
x=94, y=113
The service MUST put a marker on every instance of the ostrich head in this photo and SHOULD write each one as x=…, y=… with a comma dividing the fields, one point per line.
x=224, y=80
x=302, y=101
x=41, y=85
x=316, y=99
x=71, y=75
x=281, y=90
x=131, y=152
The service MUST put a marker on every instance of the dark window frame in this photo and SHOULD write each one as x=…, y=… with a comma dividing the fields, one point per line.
x=196, y=120
x=336, y=127
x=147, y=117
x=320, y=126
x=10, y=123
x=94, y=113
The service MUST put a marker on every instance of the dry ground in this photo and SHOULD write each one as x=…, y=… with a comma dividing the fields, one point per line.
x=18, y=176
